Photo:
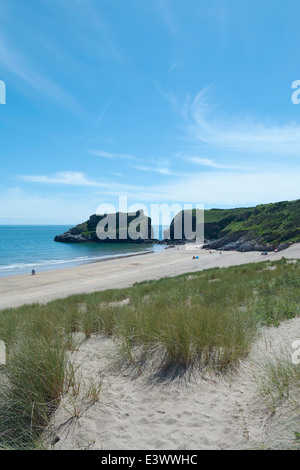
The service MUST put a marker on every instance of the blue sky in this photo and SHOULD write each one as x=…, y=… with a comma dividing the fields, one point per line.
x=162, y=101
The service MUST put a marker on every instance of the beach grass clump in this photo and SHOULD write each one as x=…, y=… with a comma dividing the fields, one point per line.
x=280, y=382
x=33, y=379
x=279, y=388
x=187, y=334
x=36, y=375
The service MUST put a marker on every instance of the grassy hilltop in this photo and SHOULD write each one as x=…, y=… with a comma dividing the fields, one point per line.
x=277, y=223
x=265, y=226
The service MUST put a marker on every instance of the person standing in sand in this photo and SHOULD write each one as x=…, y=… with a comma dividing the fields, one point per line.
x=33, y=272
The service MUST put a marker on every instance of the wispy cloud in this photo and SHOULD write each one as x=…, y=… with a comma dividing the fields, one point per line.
x=88, y=27
x=161, y=166
x=174, y=66
x=78, y=29
x=70, y=178
x=238, y=133
x=104, y=154
x=19, y=65
x=73, y=178
x=243, y=134
x=102, y=113
x=222, y=188
x=166, y=12
x=150, y=169
x=168, y=96
x=206, y=162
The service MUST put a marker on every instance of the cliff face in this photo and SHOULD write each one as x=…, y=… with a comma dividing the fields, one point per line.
x=262, y=228
x=111, y=228
x=245, y=241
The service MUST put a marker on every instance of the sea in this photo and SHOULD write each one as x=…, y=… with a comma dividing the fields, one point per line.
x=27, y=247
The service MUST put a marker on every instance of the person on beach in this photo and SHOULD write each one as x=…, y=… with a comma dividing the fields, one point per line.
x=33, y=272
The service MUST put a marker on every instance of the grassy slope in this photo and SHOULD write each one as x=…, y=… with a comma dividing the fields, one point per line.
x=278, y=222
x=273, y=223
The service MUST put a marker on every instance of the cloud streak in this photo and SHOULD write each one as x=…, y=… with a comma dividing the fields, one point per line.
x=163, y=168
x=20, y=67
x=69, y=178
x=239, y=134
x=109, y=155
x=206, y=162
x=233, y=189
x=78, y=179
x=168, y=16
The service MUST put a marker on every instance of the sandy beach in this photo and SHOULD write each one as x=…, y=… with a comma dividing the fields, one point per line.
x=124, y=272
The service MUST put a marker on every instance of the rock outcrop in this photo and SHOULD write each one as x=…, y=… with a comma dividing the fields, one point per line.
x=111, y=228
x=243, y=241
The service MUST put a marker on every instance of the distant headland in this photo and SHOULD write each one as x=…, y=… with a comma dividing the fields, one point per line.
x=111, y=228
x=266, y=227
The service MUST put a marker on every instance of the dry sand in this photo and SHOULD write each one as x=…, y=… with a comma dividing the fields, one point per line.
x=124, y=272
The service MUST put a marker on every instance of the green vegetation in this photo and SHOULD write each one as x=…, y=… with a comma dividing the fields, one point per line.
x=269, y=223
x=274, y=223
x=116, y=227
x=279, y=388
x=89, y=228
x=281, y=382
x=206, y=320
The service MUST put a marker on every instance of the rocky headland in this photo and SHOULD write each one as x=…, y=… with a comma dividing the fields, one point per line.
x=111, y=228
x=266, y=227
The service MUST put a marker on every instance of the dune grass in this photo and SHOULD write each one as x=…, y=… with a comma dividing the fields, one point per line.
x=279, y=388
x=206, y=320
x=281, y=382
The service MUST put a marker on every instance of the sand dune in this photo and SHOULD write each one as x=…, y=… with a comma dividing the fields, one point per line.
x=124, y=272
x=191, y=413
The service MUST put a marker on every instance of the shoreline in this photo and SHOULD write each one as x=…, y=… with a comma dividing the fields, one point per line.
x=46, y=286
x=73, y=264
x=122, y=256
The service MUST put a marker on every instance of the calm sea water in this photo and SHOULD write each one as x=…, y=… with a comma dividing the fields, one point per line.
x=23, y=248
